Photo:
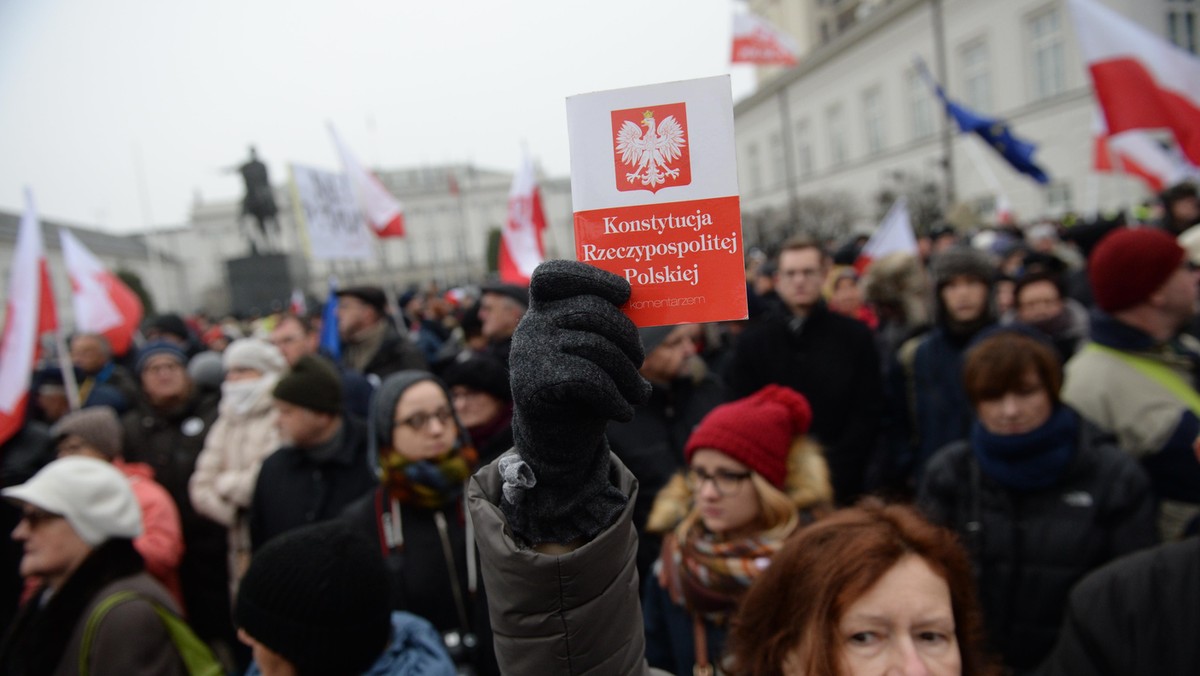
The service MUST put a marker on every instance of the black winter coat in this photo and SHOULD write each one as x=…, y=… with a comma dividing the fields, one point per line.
x=651, y=446
x=293, y=490
x=169, y=441
x=832, y=361
x=419, y=571
x=1137, y=615
x=1029, y=549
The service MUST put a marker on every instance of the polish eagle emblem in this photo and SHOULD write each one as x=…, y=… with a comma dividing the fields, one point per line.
x=650, y=153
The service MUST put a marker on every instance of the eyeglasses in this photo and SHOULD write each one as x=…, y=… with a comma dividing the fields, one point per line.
x=285, y=340
x=418, y=421
x=165, y=367
x=804, y=273
x=727, y=483
x=36, y=517
x=465, y=393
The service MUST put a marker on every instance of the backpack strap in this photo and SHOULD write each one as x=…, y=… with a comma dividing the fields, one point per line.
x=93, y=625
x=198, y=659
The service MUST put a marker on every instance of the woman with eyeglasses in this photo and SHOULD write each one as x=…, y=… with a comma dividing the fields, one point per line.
x=754, y=479
x=418, y=517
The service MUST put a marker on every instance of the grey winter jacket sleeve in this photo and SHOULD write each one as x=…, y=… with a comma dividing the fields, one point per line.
x=576, y=613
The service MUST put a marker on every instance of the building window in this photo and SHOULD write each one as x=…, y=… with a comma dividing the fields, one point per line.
x=873, y=119
x=778, y=160
x=754, y=171
x=977, y=77
x=838, y=153
x=920, y=106
x=1058, y=198
x=1046, y=54
x=804, y=153
x=1181, y=23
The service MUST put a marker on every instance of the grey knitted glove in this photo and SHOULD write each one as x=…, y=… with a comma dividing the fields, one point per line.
x=574, y=366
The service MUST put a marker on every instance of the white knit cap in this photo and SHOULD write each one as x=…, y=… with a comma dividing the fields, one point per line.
x=91, y=494
x=254, y=353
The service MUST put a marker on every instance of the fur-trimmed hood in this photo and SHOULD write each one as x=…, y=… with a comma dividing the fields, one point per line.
x=807, y=484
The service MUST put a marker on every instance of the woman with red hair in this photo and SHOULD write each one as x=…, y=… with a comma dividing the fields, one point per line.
x=868, y=590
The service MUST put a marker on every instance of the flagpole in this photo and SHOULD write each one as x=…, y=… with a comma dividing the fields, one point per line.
x=939, y=56
x=68, y=370
x=985, y=172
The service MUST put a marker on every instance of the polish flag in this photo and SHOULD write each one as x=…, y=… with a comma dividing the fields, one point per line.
x=894, y=235
x=521, y=246
x=102, y=302
x=758, y=41
x=382, y=211
x=298, y=306
x=29, y=312
x=1138, y=153
x=1141, y=80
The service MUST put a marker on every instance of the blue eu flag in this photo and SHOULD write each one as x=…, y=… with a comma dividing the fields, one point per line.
x=331, y=342
x=993, y=131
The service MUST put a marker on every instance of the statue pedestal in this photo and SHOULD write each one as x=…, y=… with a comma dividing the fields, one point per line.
x=264, y=284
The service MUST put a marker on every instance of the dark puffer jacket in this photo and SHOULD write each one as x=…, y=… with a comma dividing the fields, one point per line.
x=1137, y=615
x=169, y=441
x=1029, y=549
x=575, y=613
x=651, y=446
x=294, y=489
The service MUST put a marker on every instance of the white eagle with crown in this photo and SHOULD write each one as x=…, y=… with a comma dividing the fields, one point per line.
x=650, y=154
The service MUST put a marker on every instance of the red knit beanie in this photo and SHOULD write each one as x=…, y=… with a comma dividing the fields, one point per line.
x=1129, y=265
x=757, y=430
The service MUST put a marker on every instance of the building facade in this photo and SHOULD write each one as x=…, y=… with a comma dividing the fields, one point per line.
x=450, y=213
x=855, y=124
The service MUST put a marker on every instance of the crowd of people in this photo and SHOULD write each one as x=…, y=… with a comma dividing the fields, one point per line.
x=979, y=458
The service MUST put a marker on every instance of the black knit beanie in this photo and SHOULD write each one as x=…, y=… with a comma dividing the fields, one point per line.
x=312, y=383
x=480, y=372
x=653, y=336
x=319, y=596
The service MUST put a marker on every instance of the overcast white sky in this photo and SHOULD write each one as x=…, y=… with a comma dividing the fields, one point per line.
x=87, y=88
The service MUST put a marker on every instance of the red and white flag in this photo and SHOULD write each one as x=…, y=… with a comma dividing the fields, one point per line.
x=1138, y=153
x=758, y=41
x=29, y=313
x=521, y=245
x=1141, y=80
x=894, y=235
x=102, y=302
x=382, y=211
x=298, y=305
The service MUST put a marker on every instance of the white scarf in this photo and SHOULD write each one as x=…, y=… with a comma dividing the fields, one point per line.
x=239, y=398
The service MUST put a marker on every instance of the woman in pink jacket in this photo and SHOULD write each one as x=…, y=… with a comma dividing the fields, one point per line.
x=96, y=432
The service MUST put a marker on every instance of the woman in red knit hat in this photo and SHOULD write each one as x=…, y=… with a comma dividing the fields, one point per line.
x=754, y=478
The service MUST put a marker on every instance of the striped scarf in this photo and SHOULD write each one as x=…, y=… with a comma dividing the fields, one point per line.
x=709, y=576
x=427, y=483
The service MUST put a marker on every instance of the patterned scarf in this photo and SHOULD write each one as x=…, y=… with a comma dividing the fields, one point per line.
x=708, y=576
x=427, y=483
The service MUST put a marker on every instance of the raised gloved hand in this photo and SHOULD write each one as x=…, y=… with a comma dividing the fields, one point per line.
x=574, y=366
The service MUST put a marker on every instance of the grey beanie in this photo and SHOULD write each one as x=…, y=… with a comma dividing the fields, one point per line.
x=383, y=407
x=962, y=261
x=98, y=426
